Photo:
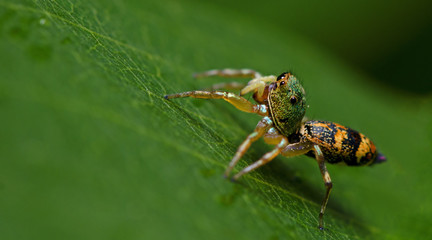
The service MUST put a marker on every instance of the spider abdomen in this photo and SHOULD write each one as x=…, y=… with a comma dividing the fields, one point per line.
x=340, y=144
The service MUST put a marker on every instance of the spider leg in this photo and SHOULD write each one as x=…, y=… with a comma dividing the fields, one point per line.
x=255, y=85
x=272, y=137
x=264, y=159
x=228, y=86
x=282, y=147
x=302, y=148
x=260, y=129
x=234, y=73
x=236, y=100
x=327, y=182
x=291, y=150
x=258, y=83
x=296, y=149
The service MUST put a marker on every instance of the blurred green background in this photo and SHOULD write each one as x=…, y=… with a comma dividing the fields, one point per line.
x=89, y=149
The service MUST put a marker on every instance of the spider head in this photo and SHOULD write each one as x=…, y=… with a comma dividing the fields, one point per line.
x=287, y=103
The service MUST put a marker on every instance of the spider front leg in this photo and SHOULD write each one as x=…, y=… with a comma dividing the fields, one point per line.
x=264, y=159
x=282, y=147
x=260, y=129
x=236, y=100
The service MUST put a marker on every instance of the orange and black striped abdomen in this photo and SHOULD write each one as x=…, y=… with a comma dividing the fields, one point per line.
x=340, y=144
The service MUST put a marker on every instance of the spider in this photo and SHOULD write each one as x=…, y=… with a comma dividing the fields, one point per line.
x=282, y=103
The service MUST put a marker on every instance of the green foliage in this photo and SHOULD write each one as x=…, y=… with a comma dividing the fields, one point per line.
x=89, y=149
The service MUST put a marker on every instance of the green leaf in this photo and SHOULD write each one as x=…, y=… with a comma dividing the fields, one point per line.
x=90, y=149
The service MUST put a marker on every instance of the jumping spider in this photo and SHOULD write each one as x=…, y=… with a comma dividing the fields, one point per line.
x=282, y=103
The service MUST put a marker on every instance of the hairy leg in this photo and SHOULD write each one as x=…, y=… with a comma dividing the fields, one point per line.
x=228, y=86
x=264, y=159
x=282, y=147
x=229, y=73
x=258, y=82
x=260, y=129
x=236, y=100
x=327, y=183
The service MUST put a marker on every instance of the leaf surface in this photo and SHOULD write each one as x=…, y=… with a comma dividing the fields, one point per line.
x=90, y=149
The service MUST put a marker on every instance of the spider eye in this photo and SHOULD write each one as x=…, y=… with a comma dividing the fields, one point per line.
x=293, y=100
x=282, y=76
x=282, y=83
